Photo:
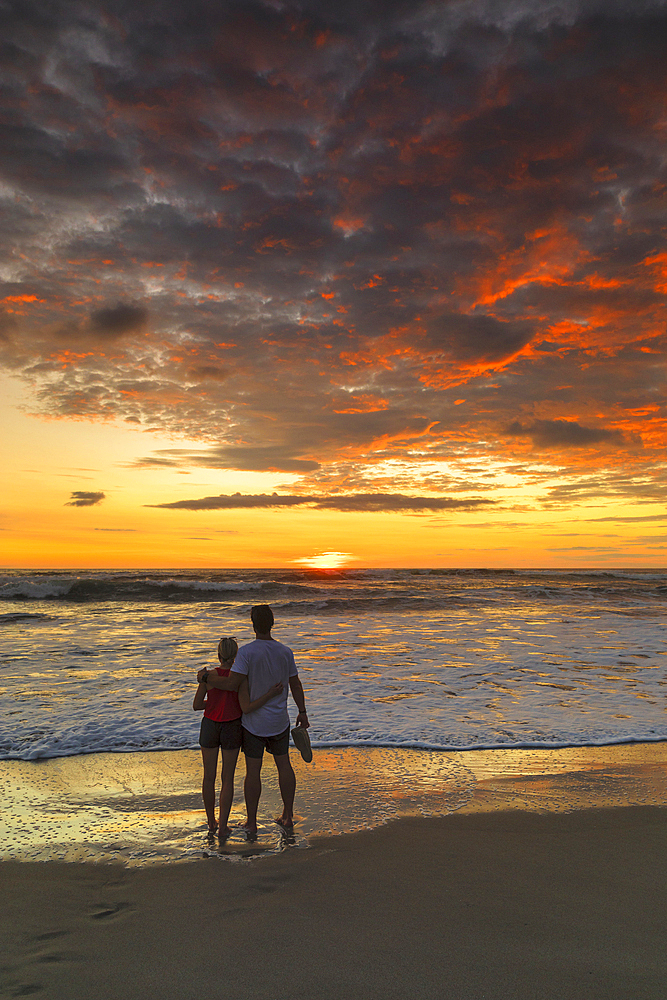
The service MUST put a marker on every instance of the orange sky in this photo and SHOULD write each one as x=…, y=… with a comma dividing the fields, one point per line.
x=405, y=271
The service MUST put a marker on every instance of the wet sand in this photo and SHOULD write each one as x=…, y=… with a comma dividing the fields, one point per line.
x=524, y=893
x=496, y=905
x=146, y=808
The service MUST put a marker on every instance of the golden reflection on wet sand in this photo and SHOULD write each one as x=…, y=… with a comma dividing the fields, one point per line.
x=145, y=808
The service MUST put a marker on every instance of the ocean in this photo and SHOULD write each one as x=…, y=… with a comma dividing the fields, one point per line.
x=95, y=661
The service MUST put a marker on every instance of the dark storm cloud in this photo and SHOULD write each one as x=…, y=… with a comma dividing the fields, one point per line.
x=359, y=502
x=563, y=434
x=115, y=321
x=82, y=499
x=478, y=338
x=306, y=234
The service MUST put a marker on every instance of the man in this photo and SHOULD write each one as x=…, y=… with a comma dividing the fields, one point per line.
x=266, y=662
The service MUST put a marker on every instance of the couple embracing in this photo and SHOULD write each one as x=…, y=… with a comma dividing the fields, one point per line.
x=245, y=705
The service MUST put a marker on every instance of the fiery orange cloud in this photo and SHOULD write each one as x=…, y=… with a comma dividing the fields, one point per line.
x=303, y=239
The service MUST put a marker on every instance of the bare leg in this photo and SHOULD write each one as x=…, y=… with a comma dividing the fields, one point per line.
x=287, y=783
x=229, y=758
x=252, y=789
x=210, y=759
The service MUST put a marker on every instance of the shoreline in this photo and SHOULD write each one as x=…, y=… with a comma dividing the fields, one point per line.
x=512, y=905
x=145, y=809
x=366, y=745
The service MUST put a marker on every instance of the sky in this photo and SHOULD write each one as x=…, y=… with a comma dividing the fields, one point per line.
x=371, y=283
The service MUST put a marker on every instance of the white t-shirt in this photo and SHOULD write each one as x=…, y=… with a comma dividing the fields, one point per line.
x=265, y=662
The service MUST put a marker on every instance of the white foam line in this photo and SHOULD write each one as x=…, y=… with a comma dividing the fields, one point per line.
x=370, y=744
x=527, y=745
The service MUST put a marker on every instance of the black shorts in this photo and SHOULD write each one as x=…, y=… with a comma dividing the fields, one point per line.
x=254, y=746
x=227, y=735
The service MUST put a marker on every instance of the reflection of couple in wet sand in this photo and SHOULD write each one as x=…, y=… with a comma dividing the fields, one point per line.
x=245, y=705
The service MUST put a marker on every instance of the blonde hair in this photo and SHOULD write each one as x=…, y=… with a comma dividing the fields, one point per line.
x=228, y=648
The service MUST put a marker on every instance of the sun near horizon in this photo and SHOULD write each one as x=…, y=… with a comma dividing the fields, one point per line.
x=107, y=513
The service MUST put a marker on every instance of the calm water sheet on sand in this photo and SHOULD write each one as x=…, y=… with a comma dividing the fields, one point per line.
x=429, y=692
x=144, y=809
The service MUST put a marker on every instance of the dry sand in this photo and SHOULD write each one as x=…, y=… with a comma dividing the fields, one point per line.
x=512, y=904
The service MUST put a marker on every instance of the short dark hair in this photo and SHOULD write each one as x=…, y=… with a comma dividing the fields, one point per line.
x=261, y=616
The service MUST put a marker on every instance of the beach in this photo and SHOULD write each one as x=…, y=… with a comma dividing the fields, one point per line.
x=484, y=816
x=332, y=356
x=541, y=885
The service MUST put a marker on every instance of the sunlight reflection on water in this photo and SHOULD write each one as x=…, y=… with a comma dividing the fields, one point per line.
x=404, y=659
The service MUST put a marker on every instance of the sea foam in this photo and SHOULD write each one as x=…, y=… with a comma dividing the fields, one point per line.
x=444, y=660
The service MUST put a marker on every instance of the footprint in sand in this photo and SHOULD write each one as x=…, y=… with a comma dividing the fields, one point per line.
x=267, y=885
x=60, y=956
x=49, y=935
x=10, y=985
x=104, y=910
x=25, y=990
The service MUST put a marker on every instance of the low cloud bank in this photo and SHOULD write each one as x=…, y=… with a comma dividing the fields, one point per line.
x=356, y=502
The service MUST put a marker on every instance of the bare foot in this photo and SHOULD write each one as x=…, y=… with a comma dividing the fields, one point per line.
x=223, y=834
x=285, y=822
x=212, y=829
x=250, y=829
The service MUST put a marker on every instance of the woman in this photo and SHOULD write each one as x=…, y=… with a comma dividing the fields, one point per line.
x=221, y=730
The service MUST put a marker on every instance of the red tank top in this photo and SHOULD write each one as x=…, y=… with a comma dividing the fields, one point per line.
x=222, y=706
